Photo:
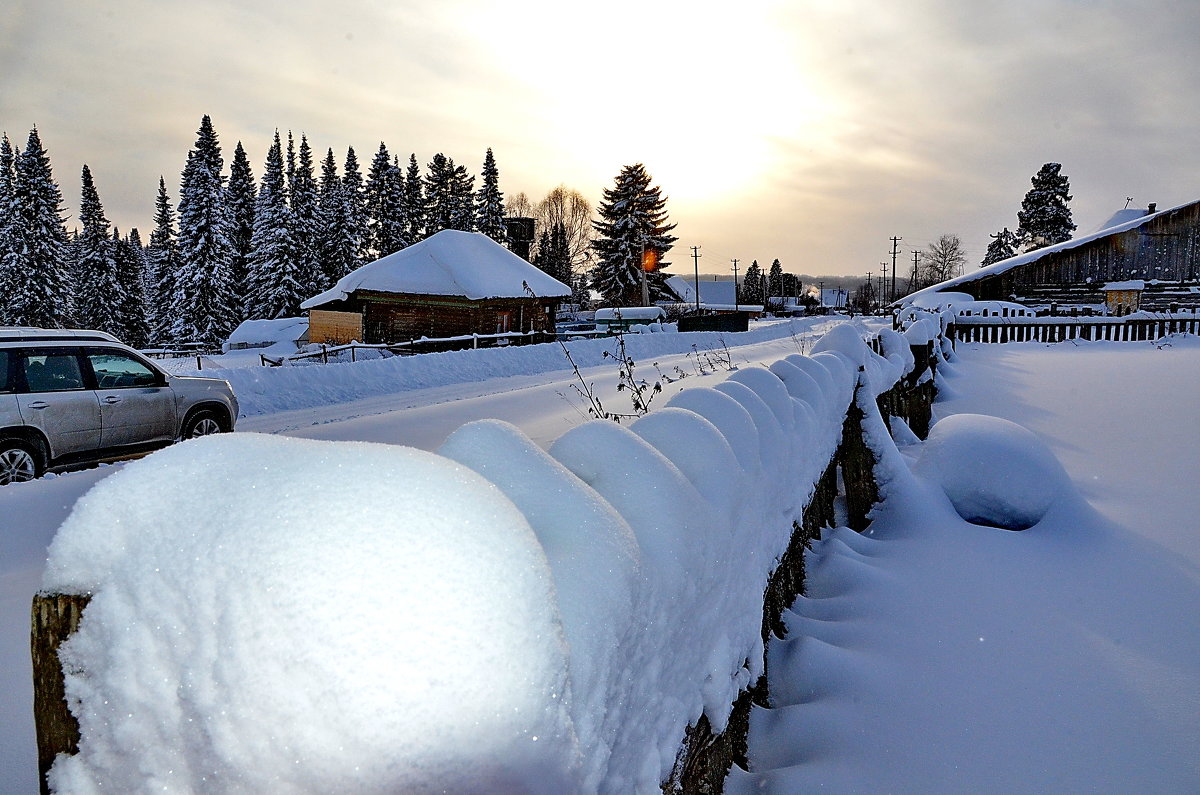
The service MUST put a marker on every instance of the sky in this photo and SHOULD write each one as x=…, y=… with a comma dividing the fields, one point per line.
x=812, y=132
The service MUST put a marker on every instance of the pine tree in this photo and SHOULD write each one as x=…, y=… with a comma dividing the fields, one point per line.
x=337, y=250
x=1004, y=245
x=414, y=201
x=8, y=250
x=306, y=225
x=385, y=204
x=553, y=254
x=130, y=261
x=97, y=292
x=240, y=196
x=356, y=211
x=1045, y=217
x=775, y=280
x=439, y=194
x=40, y=290
x=275, y=288
x=162, y=259
x=489, y=203
x=206, y=309
x=633, y=220
x=751, y=289
x=462, y=199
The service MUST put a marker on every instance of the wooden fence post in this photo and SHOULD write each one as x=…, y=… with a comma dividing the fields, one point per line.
x=54, y=618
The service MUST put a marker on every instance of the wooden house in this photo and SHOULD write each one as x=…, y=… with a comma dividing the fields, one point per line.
x=1159, y=249
x=452, y=284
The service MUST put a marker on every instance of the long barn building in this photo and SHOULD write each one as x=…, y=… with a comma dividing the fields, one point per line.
x=1154, y=254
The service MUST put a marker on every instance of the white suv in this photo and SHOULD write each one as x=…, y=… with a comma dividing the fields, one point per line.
x=69, y=397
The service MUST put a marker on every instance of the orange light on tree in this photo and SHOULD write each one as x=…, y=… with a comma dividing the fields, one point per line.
x=649, y=260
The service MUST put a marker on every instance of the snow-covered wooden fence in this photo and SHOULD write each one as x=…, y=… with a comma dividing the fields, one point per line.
x=589, y=618
x=1130, y=328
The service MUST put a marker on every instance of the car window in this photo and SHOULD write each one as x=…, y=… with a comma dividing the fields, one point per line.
x=52, y=372
x=5, y=386
x=116, y=371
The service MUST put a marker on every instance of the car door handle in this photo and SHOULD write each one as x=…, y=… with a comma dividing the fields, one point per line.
x=39, y=404
x=112, y=399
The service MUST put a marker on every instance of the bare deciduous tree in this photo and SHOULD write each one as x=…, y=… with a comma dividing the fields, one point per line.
x=942, y=259
x=568, y=207
x=519, y=205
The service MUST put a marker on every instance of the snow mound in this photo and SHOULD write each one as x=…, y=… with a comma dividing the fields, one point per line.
x=995, y=472
x=353, y=613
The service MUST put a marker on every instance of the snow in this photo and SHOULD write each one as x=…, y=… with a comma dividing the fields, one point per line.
x=932, y=655
x=622, y=568
x=280, y=336
x=450, y=262
x=994, y=471
x=629, y=313
x=1130, y=284
x=269, y=653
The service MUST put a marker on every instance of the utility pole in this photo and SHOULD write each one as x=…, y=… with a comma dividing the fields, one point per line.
x=696, y=255
x=895, y=251
x=882, y=282
x=735, y=287
x=645, y=286
x=915, y=280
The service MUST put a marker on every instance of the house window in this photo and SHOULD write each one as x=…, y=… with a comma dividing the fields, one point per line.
x=503, y=322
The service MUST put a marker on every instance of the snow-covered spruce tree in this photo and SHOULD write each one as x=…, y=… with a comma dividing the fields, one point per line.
x=130, y=312
x=356, y=211
x=206, y=305
x=240, y=196
x=7, y=215
x=162, y=262
x=1004, y=245
x=489, y=202
x=751, y=289
x=449, y=196
x=275, y=288
x=305, y=222
x=553, y=256
x=414, y=201
x=337, y=247
x=633, y=219
x=387, y=219
x=775, y=280
x=97, y=293
x=462, y=194
x=1045, y=216
x=39, y=289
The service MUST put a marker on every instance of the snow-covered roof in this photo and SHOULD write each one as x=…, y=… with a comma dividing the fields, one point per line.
x=834, y=297
x=1006, y=265
x=450, y=262
x=1131, y=284
x=255, y=332
x=1122, y=217
x=629, y=313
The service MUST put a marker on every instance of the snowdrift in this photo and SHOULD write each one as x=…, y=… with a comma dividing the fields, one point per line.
x=272, y=614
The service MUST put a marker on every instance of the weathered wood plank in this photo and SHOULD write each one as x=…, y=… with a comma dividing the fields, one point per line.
x=54, y=618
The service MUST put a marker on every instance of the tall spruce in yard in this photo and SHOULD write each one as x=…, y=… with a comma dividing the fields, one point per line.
x=162, y=262
x=1004, y=245
x=775, y=280
x=554, y=255
x=98, y=295
x=206, y=308
x=385, y=205
x=449, y=196
x=275, y=287
x=240, y=196
x=306, y=225
x=489, y=203
x=39, y=285
x=7, y=226
x=414, y=201
x=633, y=219
x=337, y=246
x=131, y=272
x=751, y=289
x=1045, y=216
x=356, y=211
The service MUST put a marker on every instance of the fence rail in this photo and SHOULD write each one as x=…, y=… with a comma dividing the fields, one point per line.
x=1044, y=329
x=422, y=345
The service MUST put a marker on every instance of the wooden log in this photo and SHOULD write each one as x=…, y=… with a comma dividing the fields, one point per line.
x=54, y=618
x=858, y=468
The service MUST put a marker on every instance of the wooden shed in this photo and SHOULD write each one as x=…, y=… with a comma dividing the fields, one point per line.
x=1160, y=249
x=452, y=284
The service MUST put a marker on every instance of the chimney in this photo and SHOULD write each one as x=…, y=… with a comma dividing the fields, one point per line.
x=1150, y=209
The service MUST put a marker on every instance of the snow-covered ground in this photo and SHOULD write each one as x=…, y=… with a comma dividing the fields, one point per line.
x=931, y=655
x=416, y=401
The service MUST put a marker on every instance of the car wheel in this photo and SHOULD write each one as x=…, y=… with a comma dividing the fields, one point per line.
x=19, y=461
x=203, y=423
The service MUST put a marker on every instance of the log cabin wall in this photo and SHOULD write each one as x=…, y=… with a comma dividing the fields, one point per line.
x=391, y=317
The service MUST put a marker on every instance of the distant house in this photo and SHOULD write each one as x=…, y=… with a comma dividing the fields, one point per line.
x=716, y=296
x=450, y=284
x=282, y=335
x=1158, y=250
